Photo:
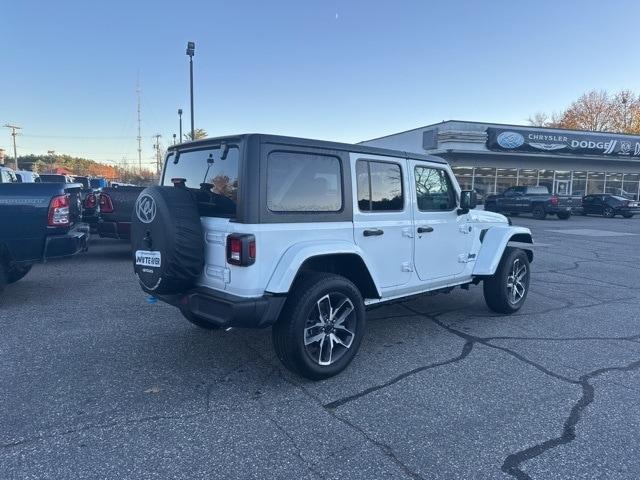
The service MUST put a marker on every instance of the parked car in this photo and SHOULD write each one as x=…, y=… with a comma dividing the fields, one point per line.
x=25, y=176
x=84, y=181
x=530, y=199
x=609, y=206
x=55, y=178
x=39, y=221
x=7, y=175
x=98, y=183
x=260, y=230
x=116, y=208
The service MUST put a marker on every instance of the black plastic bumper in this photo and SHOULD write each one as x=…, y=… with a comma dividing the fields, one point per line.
x=75, y=241
x=555, y=209
x=226, y=310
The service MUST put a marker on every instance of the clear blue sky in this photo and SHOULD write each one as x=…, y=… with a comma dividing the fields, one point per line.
x=339, y=70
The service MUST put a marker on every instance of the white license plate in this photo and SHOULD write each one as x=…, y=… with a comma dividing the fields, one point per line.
x=633, y=204
x=148, y=259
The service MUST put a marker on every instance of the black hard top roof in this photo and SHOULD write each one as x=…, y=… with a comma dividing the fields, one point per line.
x=306, y=142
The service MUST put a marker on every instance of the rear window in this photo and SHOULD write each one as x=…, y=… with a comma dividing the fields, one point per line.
x=84, y=181
x=303, y=182
x=53, y=178
x=540, y=190
x=215, y=178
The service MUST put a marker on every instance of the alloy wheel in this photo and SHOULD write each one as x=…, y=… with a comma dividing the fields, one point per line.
x=516, y=282
x=330, y=329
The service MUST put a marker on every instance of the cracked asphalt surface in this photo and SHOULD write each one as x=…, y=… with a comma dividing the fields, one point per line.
x=97, y=383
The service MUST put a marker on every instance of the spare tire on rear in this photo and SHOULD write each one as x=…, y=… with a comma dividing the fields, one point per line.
x=166, y=240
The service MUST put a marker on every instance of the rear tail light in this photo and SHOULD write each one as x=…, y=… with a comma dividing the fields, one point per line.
x=90, y=201
x=106, y=206
x=59, y=211
x=241, y=249
x=554, y=200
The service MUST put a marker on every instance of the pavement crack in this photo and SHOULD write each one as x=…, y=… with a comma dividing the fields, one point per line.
x=466, y=350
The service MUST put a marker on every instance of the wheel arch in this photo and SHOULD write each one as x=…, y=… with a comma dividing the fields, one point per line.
x=494, y=244
x=341, y=258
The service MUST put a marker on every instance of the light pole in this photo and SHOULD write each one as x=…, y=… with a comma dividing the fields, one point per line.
x=13, y=134
x=174, y=138
x=52, y=159
x=180, y=117
x=191, y=49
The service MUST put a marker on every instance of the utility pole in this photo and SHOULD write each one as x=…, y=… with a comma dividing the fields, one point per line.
x=180, y=120
x=191, y=49
x=139, y=138
x=13, y=134
x=174, y=138
x=158, y=158
x=52, y=159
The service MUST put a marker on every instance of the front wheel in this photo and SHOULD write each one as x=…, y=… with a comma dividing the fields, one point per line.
x=564, y=215
x=506, y=290
x=321, y=326
x=608, y=212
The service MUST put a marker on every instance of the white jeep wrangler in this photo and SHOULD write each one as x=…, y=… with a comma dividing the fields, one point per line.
x=301, y=235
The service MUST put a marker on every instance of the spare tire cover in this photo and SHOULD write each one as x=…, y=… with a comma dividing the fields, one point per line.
x=166, y=240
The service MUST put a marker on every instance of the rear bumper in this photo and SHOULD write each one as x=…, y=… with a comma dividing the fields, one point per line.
x=119, y=230
x=226, y=310
x=555, y=209
x=629, y=210
x=71, y=243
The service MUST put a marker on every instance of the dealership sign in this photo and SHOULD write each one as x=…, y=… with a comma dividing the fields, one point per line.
x=503, y=139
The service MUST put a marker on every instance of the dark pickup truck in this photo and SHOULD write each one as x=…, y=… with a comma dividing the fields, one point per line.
x=116, y=207
x=38, y=221
x=531, y=199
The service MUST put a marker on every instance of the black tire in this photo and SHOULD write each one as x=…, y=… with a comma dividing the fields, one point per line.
x=608, y=212
x=17, y=272
x=497, y=294
x=627, y=215
x=308, y=295
x=564, y=215
x=166, y=220
x=539, y=212
x=198, y=321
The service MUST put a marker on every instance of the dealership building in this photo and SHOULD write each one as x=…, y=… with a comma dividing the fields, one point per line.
x=490, y=157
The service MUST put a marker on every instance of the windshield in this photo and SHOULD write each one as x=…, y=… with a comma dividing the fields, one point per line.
x=214, y=178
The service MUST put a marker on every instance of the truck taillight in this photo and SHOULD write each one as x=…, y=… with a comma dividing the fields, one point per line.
x=106, y=206
x=90, y=201
x=554, y=200
x=59, y=211
x=241, y=249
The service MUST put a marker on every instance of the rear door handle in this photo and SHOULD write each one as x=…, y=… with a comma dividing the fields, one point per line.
x=373, y=233
x=425, y=229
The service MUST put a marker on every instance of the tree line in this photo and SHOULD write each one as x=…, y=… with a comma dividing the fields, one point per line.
x=597, y=110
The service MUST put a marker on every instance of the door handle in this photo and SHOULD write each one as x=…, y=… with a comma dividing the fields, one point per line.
x=425, y=229
x=373, y=233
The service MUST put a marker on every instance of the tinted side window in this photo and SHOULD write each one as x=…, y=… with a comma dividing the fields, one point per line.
x=434, y=190
x=303, y=182
x=379, y=186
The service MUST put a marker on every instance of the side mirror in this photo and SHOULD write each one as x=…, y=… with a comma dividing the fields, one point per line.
x=467, y=201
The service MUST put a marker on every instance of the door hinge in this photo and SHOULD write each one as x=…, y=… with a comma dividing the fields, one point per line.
x=407, y=267
x=407, y=232
x=466, y=229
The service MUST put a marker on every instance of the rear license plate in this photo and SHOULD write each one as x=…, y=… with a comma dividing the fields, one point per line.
x=148, y=259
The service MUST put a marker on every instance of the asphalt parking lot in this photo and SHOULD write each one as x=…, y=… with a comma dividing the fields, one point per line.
x=96, y=382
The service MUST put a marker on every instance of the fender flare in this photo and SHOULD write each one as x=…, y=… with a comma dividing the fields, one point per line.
x=287, y=268
x=494, y=243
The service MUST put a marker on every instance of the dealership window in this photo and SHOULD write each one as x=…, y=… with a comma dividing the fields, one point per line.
x=485, y=181
x=528, y=176
x=507, y=178
x=595, y=184
x=545, y=179
x=614, y=183
x=379, y=186
x=579, y=184
x=631, y=185
x=464, y=175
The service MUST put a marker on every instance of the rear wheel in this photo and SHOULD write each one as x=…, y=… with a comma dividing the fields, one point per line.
x=507, y=289
x=17, y=273
x=608, y=212
x=627, y=215
x=539, y=212
x=564, y=215
x=321, y=326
